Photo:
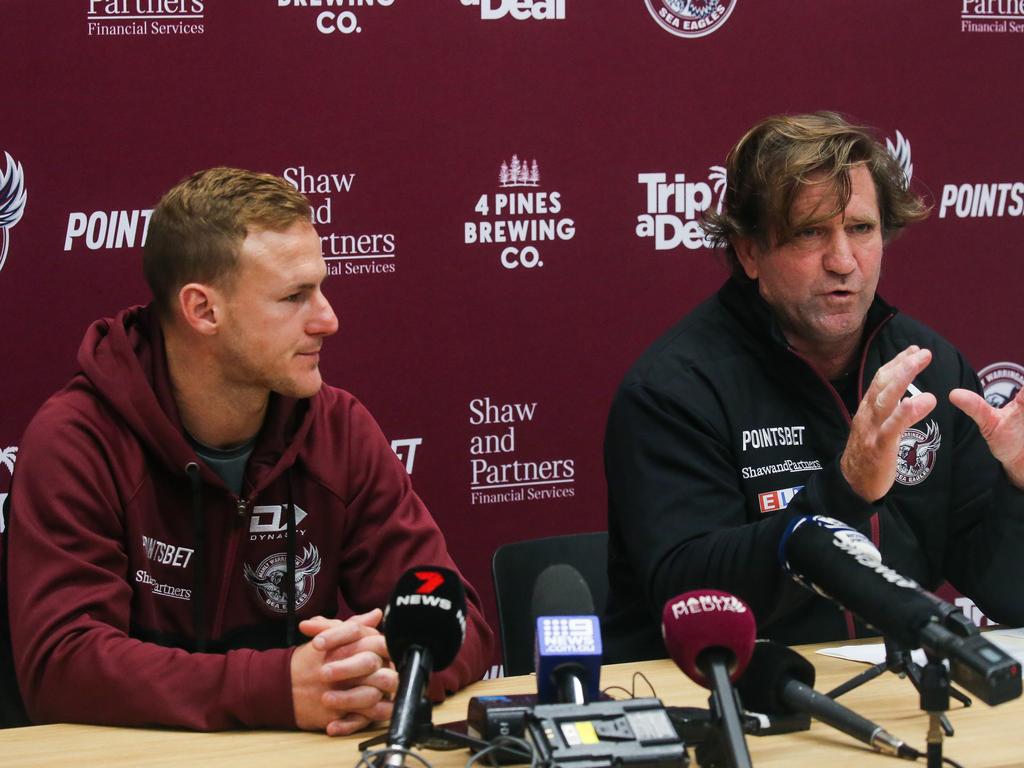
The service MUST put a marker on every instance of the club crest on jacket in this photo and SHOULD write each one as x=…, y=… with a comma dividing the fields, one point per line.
x=269, y=578
x=916, y=455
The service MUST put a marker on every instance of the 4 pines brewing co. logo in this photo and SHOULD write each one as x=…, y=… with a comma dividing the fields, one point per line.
x=690, y=18
x=520, y=217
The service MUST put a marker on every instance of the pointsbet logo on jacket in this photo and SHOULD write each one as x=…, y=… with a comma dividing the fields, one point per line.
x=269, y=578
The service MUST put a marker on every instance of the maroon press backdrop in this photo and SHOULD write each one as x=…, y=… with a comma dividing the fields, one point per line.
x=397, y=118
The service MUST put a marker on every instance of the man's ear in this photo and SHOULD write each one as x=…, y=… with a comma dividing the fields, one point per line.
x=747, y=253
x=201, y=307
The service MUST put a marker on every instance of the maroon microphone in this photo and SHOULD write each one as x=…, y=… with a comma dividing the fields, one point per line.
x=710, y=635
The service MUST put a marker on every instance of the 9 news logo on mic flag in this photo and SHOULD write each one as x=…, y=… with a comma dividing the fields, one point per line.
x=565, y=635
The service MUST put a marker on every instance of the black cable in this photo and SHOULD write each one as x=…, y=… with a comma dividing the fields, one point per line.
x=510, y=744
x=631, y=693
x=374, y=758
x=952, y=762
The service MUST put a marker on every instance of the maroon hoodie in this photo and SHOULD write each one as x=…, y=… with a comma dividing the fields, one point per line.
x=143, y=591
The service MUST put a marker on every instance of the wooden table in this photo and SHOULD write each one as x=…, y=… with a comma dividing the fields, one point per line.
x=986, y=737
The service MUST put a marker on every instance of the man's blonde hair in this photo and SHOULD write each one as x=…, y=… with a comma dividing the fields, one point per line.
x=196, y=230
x=772, y=162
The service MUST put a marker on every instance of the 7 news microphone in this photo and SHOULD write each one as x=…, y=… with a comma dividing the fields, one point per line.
x=779, y=680
x=424, y=627
x=710, y=635
x=832, y=559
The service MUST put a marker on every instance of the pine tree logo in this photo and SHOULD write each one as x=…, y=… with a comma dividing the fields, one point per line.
x=12, y=202
x=518, y=173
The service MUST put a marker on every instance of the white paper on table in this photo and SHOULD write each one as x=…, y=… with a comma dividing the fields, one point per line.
x=1010, y=641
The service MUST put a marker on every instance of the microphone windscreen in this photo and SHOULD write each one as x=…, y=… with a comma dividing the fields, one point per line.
x=842, y=564
x=427, y=609
x=560, y=590
x=705, y=620
x=771, y=666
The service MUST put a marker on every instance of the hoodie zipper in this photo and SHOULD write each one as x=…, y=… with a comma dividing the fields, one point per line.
x=851, y=627
x=241, y=508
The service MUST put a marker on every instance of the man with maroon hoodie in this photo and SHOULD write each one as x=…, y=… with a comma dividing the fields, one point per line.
x=189, y=507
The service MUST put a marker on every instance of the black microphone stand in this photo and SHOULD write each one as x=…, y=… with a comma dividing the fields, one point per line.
x=933, y=687
x=898, y=661
x=428, y=736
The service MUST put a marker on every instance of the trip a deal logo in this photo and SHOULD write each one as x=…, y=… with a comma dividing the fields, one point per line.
x=142, y=18
x=521, y=218
x=519, y=10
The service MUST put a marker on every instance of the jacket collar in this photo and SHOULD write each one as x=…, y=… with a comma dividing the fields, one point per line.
x=743, y=301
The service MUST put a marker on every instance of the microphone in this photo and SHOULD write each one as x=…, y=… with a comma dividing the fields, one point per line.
x=832, y=559
x=779, y=680
x=424, y=627
x=567, y=648
x=710, y=636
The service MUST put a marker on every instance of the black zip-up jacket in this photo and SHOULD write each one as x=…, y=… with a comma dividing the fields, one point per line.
x=720, y=434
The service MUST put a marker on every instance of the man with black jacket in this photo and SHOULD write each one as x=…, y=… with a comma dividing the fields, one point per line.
x=797, y=390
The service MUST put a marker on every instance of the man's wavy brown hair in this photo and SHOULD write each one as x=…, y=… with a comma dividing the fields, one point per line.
x=769, y=165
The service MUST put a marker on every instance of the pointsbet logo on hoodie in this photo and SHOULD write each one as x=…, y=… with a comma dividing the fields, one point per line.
x=269, y=578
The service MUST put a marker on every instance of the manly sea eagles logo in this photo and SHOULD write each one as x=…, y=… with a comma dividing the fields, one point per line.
x=270, y=575
x=916, y=455
x=690, y=18
x=900, y=151
x=12, y=201
x=1001, y=382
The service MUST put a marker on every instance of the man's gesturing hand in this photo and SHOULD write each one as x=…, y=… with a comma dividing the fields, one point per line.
x=342, y=678
x=1002, y=428
x=869, y=460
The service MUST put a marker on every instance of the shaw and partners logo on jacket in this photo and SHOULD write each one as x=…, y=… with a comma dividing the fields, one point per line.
x=1001, y=382
x=519, y=216
x=13, y=198
x=690, y=18
x=139, y=18
x=270, y=577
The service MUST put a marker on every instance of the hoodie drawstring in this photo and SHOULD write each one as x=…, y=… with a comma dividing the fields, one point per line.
x=290, y=566
x=199, y=571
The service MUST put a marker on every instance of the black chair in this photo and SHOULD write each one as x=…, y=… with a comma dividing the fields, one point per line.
x=515, y=568
x=12, y=710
